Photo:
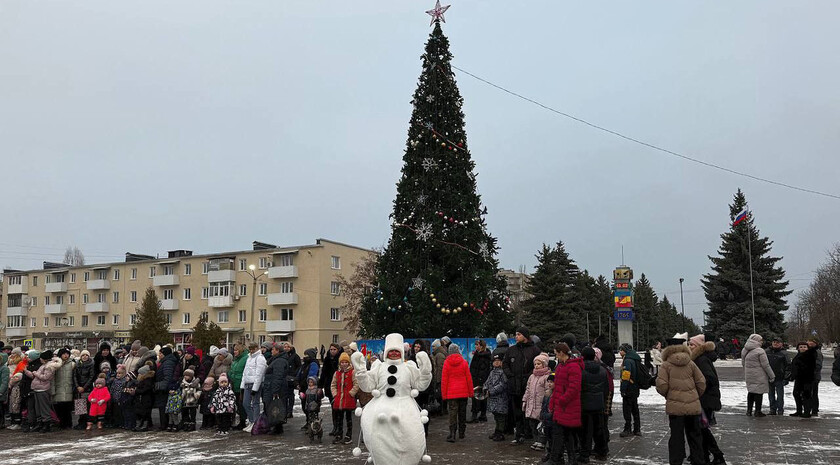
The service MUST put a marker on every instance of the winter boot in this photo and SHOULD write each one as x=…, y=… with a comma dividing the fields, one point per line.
x=463, y=432
x=452, y=431
x=45, y=427
x=625, y=434
x=719, y=460
x=338, y=435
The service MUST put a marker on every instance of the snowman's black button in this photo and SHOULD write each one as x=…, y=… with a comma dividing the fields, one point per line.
x=390, y=392
x=392, y=369
x=392, y=380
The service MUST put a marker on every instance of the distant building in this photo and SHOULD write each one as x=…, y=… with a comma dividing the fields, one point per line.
x=516, y=282
x=296, y=296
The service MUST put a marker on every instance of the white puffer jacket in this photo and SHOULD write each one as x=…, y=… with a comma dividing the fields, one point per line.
x=254, y=371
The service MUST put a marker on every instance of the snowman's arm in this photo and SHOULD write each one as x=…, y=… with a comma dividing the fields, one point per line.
x=422, y=375
x=365, y=378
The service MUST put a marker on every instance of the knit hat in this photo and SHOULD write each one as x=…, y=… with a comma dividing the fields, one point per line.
x=143, y=350
x=223, y=352
x=208, y=382
x=223, y=377
x=83, y=353
x=33, y=355
x=312, y=353
x=344, y=357
x=17, y=351
x=588, y=353
x=453, y=349
x=143, y=370
x=120, y=367
x=501, y=337
x=189, y=372
x=213, y=351
x=46, y=355
x=542, y=358
x=99, y=382
x=625, y=347
x=312, y=378
x=498, y=356
x=136, y=345
x=435, y=344
x=165, y=351
x=191, y=350
x=598, y=354
x=523, y=331
x=104, y=365
x=267, y=344
x=445, y=341
x=698, y=340
x=63, y=351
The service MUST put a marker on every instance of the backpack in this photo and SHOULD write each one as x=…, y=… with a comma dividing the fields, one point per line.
x=643, y=379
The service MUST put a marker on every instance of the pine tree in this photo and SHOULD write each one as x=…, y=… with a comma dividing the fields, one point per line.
x=554, y=308
x=438, y=274
x=645, y=306
x=205, y=335
x=727, y=287
x=604, y=304
x=151, y=327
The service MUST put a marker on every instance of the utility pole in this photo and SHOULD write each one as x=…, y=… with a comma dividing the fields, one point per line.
x=252, y=272
x=682, y=304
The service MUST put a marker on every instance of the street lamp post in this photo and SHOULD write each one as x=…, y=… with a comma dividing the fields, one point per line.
x=252, y=272
x=682, y=305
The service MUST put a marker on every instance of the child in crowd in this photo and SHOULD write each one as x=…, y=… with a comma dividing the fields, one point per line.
x=344, y=388
x=534, y=395
x=126, y=404
x=497, y=401
x=173, y=409
x=546, y=421
x=105, y=369
x=116, y=386
x=98, y=400
x=208, y=391
x=15, y=400
x=223, y=406
x=310, y=400
x=190, y=394
x=144, y=396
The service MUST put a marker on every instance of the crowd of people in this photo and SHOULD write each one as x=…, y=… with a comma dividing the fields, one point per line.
x=560, y=402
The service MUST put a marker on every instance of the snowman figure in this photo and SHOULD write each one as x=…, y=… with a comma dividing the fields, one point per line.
x=392, y=423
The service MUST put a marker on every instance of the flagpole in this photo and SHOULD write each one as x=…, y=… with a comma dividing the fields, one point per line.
x=749, y=251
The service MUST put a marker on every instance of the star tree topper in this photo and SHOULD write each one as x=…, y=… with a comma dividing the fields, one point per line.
x=437, y=13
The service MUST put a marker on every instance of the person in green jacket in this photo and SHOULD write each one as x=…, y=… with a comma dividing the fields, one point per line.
x=4, y=387
x=240, y=356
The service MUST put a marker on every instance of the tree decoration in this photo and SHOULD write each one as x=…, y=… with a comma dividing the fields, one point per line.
x=437, y=13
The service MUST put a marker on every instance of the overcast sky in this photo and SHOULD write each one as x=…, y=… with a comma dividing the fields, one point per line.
x=157, y=125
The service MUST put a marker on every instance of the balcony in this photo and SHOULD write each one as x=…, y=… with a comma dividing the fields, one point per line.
x=221, y=276
x=15, y=311
x=283, y=298
x=166, y=280
x=98, y=284
x=283, y=272
x=16, y=288
x=15, y=332
x=55, y=287
x=96, y=307
x=280, y=326
x=220, y=301
x=55, y=309
x=169, y=304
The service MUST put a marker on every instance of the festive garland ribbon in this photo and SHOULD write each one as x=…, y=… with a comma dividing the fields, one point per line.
x=452, y=145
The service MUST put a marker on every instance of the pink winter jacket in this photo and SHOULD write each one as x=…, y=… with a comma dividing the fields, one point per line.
x=534, y=393
x=42, y=378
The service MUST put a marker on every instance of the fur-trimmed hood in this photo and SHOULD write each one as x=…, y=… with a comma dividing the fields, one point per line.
x=150, y=374
x=678, y=355
x=54, y=364
x=703, y=348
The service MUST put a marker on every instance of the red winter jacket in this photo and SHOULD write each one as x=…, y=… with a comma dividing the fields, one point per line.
x=100, y=393
x=565, y=401
x=456, y=381
x=344, y=388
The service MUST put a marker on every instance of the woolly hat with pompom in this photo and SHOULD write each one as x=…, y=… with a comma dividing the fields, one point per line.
x=83, y=353
x=344, y=357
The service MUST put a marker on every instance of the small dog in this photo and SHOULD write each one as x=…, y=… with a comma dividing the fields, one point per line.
x=315, y=429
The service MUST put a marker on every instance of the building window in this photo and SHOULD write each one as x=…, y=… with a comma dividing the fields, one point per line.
x=116, y=298
x=168, y=270
x=187, y=269
x=32, y=321
x=46, y=300
x=34, y=302
x=84, y=298
x=287, y=314
x=242, y=316
x=35, y=282
x=186, y=317
x=59, y=299
x=287, y=287
x=205, y=293
x=72, y=299
x=87, y=276
x=100, y=320
x=133, y=296
x=220, y=289
x=243, y=290
x=287, y=260
x=335, y=288
x=262, y=338
x=263, y=314
x=335, y=338
x=205, y=268
x=57, y=321
x=243, y=264
x=14, y=280
x=335, y=314
x=116, y=275
x=100, y=297
x=103, y=275
x=223, y=316
x=132, y=319
x=168, y=318
x=115, y=320
x=152, y=271
x=72, y=278
x=263, y=289
x=335, y=262
x=204, y=316
x=187, y=294
x=168, y=294
x=71, y=321
x=84, y=321
x=133, y=274
x=264, y=263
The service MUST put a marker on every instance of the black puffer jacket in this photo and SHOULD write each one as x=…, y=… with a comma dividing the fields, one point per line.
x=704, y=357
x=607, y=354
x=328, y=369
x=518, y=365
x=594, y=387
x=803, y=367
x=274, y=381
x=84, y=375
x=144, y=393
x=165, y=379
x=480, y=366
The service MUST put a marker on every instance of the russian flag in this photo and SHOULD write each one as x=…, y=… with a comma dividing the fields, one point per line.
x=740, y=217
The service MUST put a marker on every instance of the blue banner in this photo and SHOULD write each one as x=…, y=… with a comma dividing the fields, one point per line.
x=467, y=345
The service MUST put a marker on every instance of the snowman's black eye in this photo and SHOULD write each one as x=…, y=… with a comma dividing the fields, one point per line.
x=392, y=379
x=392, y=369
x=390, y=392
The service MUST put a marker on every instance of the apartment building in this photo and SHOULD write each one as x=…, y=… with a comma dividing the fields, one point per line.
x=268, y=293
x=516, y=282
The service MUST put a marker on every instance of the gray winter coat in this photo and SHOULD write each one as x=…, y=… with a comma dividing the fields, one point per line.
x=63, y=387
x=757, y=371
x=496, y=386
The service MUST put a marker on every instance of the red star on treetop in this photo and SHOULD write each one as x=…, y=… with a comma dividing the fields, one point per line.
x=437, y=13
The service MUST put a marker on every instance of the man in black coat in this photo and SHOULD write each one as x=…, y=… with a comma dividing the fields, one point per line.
x=293, y=359
x=328, y=369
x=594, y=392
x=274, y=384
x=703, y=354
x=165, y=380
x=104, y=355
x=518, y=366
x=779, y=363
x=480, y=366
x=814, y=343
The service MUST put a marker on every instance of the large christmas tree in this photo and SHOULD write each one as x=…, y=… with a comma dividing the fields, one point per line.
x=438, y=274
x=727, y=287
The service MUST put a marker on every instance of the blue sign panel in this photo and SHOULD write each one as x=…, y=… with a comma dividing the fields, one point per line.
x=623, y=315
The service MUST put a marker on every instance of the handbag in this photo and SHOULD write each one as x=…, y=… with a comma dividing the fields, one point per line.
x=80, y=406
x=276, y=412
x=260, y=426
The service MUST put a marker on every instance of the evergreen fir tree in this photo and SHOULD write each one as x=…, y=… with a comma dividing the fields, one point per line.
x=554, y=308
x=727, y=287
x=205, y=335
x=645, y=306
x=151, y=327
x=604, y=304
x=438, y=274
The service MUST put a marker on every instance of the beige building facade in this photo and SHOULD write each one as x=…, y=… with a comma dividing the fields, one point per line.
x=268, y=293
